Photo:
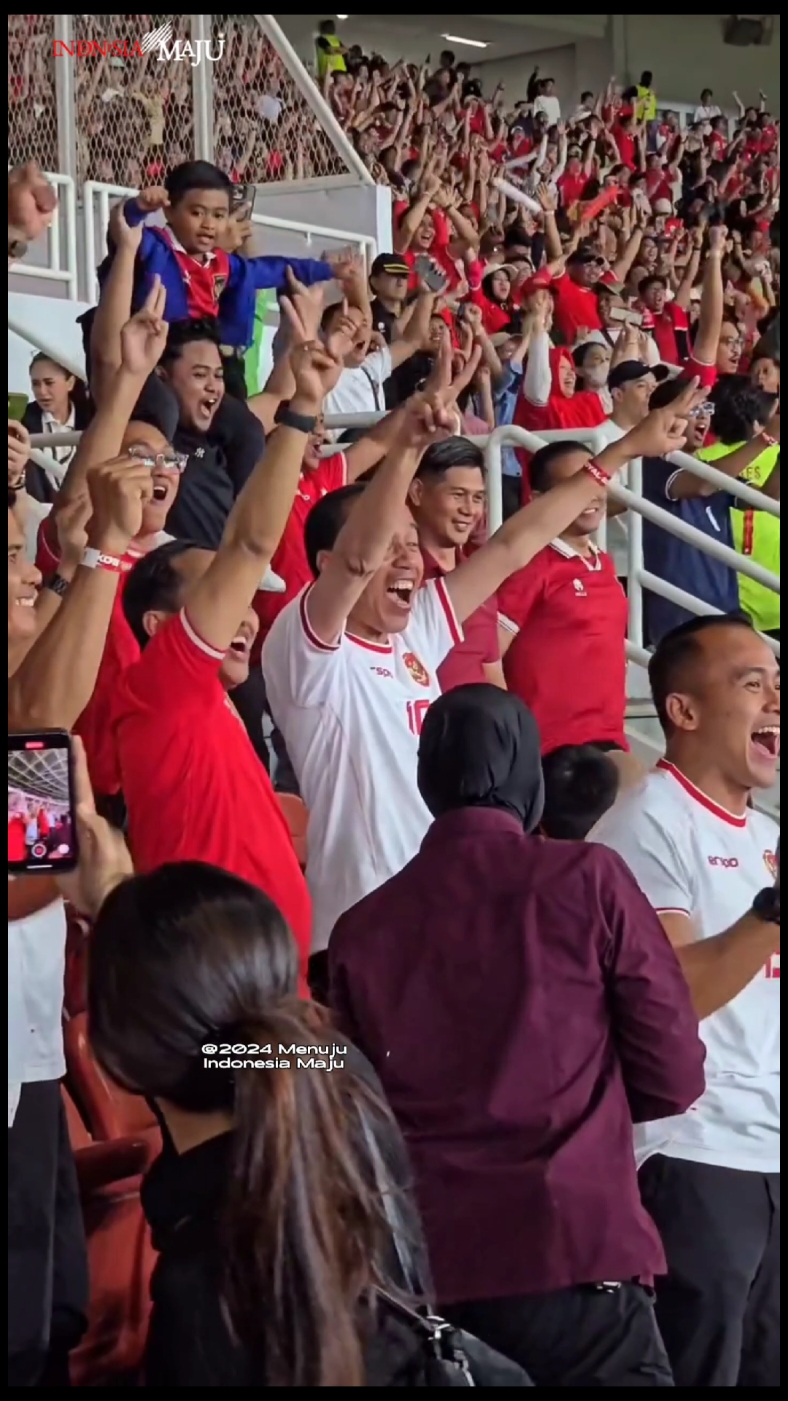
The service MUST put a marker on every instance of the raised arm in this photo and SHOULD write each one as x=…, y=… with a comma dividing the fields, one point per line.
x=143, y=339
x=712, y=300
x=55, y=681
x=535, y=525
x=114, y=307
x=254, y=527
x=365, y=537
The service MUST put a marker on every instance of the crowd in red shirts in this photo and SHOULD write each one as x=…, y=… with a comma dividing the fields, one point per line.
x=601, y=268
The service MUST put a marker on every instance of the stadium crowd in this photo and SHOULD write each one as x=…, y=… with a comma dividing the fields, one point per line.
x=382, y=950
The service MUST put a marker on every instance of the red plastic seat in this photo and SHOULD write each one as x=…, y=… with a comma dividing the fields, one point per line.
x=109, y=1112
x=120, y=1255
x=297, y=818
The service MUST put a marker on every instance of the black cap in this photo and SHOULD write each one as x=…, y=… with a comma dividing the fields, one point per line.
x=393, y=263
x=585, y=255
x=626, y=373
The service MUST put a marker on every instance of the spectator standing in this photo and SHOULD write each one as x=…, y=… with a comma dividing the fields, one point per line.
x=522, y=924
x=629, y=384
x=447, y=498
x=707, y=109
x=706, y=860
x=329, y=49
x=565, y=615
x=699, y=503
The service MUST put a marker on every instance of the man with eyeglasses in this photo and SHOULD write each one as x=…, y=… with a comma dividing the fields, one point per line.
x=144, y=442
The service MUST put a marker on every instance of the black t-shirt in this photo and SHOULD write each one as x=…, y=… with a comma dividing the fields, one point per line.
x=220, y=461
x=382, y=319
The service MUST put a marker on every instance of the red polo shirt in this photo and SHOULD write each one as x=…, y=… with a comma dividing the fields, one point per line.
x=290, y=561
x=466, y=661
x=567, y=660
x=195, y=790
x=575, y=306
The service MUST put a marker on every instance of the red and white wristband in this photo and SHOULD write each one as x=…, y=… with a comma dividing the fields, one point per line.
x=95, y=559
x=598, y=473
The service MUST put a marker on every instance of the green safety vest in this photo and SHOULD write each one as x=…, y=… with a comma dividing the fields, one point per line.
x=756, y=534
x=330, y=63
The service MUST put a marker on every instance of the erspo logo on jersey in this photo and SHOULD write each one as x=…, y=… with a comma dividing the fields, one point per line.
x=730, y=863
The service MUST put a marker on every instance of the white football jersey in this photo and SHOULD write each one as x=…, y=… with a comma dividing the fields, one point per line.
x=691, y=856
x=351, y=716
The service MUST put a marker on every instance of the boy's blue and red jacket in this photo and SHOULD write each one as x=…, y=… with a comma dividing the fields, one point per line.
x=236, y=281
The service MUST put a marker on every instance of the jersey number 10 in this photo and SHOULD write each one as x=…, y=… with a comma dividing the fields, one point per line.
x=416, y=712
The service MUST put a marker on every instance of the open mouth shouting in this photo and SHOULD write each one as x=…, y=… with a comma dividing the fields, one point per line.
x=241, y=644
x=206, y=406
x=765, y=741
x=400, y=593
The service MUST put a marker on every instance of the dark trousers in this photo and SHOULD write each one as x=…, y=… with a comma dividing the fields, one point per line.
x=585, y=1336
x=47, y=1260
x=512, y=491
x=719, y=1306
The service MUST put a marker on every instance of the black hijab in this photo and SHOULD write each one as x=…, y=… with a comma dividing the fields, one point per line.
x=480, y=748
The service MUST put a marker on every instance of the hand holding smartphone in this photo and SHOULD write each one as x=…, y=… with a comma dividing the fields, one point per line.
x=42, y=832
x=17, y=403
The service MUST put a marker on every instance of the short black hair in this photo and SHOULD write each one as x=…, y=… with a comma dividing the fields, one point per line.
x=654, y=279
x=539, y=468
x=646, y=78
x=580, y=784
x=183, y=333
x=452, y=452
x=196, y=175
x=154, y=582
x=326, y=519
x=738, y=406
x=581, y=351
x=678, y=650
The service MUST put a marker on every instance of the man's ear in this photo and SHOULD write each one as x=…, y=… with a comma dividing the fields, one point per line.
x=682, y=712
x=415, y=493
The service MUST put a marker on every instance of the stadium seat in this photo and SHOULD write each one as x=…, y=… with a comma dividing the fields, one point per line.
x=297, y=819
x=110, y=1113
x=120, y=1255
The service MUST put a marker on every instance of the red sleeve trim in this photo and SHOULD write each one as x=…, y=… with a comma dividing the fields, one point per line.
x=198, y=641
x=672, y=910
x=448, y=608
x=311, y=636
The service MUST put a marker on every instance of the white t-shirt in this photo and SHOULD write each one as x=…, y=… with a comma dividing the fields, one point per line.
x=706, y=114
x=351, y=717
x=36, y=968
x=691, y=856
x=551, y=108
x=617, y=538
x=359, y=388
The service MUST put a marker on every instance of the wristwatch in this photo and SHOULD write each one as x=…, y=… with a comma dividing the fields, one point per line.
x=766, y=905
x=303, y=423
x=57, y=584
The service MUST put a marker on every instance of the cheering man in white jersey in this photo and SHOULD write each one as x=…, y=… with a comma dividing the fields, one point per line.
x=350, y=665
x=708, y=862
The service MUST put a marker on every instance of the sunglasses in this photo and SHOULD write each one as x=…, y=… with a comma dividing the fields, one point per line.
x=705, y=410
x=170, y=461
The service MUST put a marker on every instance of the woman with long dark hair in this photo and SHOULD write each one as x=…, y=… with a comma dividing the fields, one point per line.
x=264, y=1204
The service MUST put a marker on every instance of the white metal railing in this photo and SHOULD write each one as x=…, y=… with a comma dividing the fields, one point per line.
x=61, y=259
x=638, y=506
x=99, y=198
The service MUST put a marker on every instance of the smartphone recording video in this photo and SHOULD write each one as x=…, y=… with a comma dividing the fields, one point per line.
x=41, y=821
x=242, y=201
x=17, y=403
